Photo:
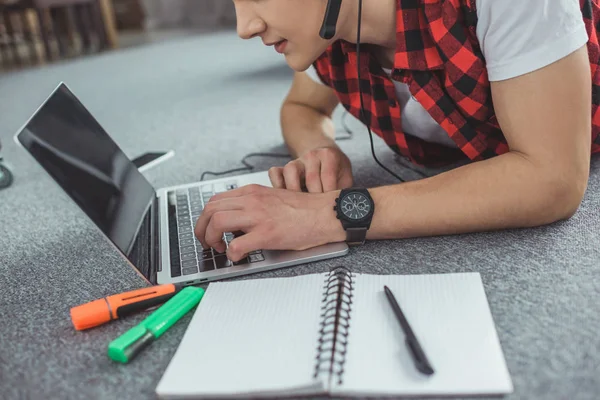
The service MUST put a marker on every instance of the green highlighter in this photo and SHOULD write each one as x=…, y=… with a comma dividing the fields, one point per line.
x=131, y=343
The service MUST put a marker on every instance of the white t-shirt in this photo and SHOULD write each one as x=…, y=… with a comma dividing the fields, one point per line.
x=516, y=37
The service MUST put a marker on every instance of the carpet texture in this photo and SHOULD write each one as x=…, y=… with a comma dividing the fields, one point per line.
x=214, y=99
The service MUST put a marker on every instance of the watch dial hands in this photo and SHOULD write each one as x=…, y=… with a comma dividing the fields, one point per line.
x=355, y=206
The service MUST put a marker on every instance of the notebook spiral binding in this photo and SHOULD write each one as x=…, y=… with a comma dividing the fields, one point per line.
x=335, y=324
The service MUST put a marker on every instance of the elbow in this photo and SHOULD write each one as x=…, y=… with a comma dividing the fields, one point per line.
x=565, y=195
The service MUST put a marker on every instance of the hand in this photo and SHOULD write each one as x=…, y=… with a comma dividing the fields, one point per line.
x=320, y=170
x=271, y=219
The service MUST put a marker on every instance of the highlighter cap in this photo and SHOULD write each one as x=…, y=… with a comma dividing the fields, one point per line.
x=91, y=314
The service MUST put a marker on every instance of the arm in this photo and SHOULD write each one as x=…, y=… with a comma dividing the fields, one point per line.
x=546, y=119
x=319, y=165
x=306, y=116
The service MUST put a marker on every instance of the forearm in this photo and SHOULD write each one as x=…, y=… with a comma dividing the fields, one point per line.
x=508, y=191
x=305, y=129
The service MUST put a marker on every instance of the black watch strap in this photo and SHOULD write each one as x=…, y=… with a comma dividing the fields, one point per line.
x=356, y=236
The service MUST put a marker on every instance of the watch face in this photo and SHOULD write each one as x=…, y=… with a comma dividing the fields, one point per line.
x=356, y=206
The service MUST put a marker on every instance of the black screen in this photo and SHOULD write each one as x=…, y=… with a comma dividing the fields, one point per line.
x=76, y=151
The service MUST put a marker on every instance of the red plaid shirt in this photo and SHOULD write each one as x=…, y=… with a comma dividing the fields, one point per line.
x=439, y=57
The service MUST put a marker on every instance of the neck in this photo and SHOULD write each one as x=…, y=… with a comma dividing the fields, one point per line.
x=378, y=23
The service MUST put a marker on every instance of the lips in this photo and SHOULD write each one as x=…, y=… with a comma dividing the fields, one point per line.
x=279, y=46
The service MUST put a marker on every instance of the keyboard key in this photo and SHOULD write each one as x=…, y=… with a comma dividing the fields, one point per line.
x=229, y=236
x=242, y=261
x=206, y=265
x=187, y=249
x=223, y=262
x=183, y=220
x=185, y=229
x=204, y=256
x=231, y=185
x=188, y=256
x=189, y=263
x=189, y=235
x=256, y=258
x=190, y=271
x=186, y=242
x=256, y=252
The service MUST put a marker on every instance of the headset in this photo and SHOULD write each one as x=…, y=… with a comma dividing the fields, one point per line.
x=328, y=31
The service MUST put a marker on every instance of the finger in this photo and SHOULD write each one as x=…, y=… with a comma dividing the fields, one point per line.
x=241, y=246
x=313, y=175
x=329, y=173
x=225, y=221
x=276, y=177
x=212, y=207
x=293, y=173
x=243, y=191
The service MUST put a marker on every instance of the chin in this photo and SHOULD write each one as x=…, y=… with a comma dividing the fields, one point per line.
x=298, y=62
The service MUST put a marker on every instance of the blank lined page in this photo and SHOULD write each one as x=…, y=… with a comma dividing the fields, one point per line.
x=450, y=316
x=252, y=336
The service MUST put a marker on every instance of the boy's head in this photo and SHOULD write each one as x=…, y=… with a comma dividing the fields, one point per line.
x=292, y=26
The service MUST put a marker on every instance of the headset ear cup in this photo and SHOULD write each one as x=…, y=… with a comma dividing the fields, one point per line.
x=332, y=14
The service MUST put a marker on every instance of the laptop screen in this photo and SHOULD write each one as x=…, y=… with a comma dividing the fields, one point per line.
x=75, y=150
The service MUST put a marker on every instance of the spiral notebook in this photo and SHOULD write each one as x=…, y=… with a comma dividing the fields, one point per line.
x=335, y=334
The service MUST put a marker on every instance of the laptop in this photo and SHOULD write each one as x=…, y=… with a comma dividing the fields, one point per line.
x=152, y=229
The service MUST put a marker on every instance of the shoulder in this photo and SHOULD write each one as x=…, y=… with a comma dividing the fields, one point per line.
x=518, y=37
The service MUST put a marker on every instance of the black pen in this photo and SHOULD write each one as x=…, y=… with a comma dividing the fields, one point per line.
x=415, y=350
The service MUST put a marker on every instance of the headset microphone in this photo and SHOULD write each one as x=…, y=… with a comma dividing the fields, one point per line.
x=331, y=19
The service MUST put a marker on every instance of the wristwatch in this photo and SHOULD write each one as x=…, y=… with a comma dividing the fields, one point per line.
x=355, y=209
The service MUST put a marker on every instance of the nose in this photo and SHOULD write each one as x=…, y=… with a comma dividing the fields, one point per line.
x=249, y=25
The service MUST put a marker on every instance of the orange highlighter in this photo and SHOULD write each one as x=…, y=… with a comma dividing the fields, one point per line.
x=101, y=311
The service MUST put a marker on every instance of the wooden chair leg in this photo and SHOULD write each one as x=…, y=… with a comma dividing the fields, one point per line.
x=34, y=28
x=29, y=37
x=83, y=26
x=96, y=13
x=10, y=30
x=45, y=31
x=58, y=33
x=71, y=27
x=108, y=19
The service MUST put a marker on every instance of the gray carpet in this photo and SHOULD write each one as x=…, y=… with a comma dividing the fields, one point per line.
x=212, y=100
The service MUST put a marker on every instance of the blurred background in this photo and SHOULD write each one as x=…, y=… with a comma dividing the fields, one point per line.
x=37, y=32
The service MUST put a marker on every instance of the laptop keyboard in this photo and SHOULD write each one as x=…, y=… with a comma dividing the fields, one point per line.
x=187, y=255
